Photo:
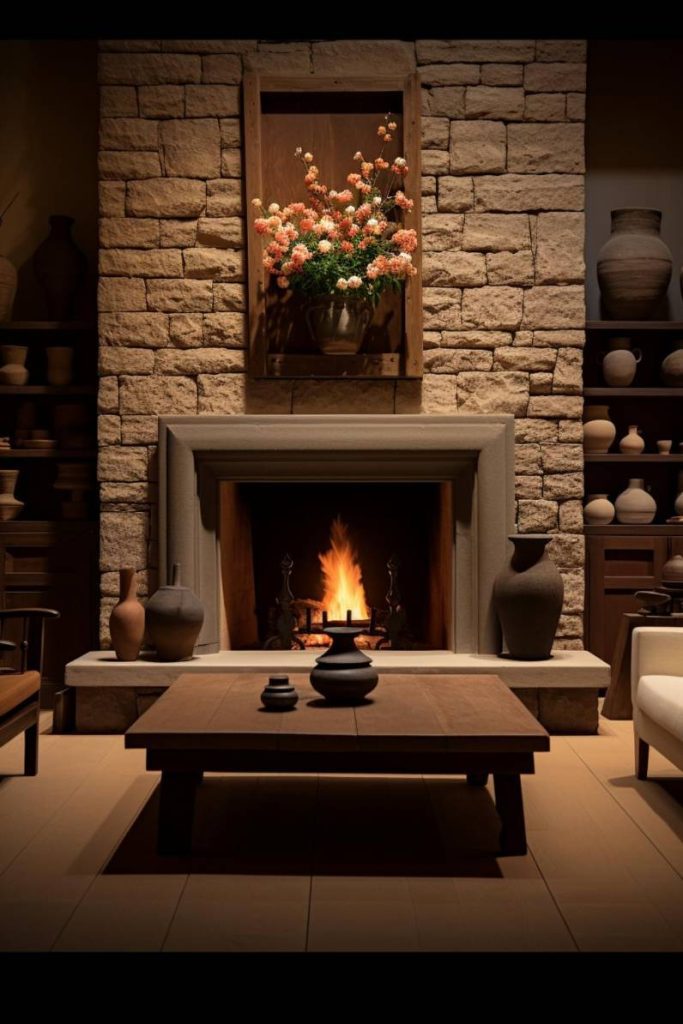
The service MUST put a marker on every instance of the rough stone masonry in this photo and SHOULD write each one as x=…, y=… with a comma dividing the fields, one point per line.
x=503, y=234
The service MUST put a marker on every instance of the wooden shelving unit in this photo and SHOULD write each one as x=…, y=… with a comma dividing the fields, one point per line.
x=623, y=558
x=45, y=559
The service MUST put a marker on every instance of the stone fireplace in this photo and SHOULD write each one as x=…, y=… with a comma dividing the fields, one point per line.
x=463, y=464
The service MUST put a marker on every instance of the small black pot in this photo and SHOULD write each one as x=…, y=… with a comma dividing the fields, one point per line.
x=279, y=694
x=343, y=674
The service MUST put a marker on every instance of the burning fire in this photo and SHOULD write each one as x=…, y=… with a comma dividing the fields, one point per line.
x=342, y=577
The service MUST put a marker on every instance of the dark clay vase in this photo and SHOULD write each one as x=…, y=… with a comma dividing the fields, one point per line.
x=279, y=694
x=343, y=674
x=634, y=265
x=527, y=596
x=127, y=620
x=174, y=618
x=59, y=266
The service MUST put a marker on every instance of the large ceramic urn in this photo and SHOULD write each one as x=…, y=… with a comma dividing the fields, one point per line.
x=634, y=265
x=598, y=430
x=634, y=505
x=174, y=617
x=527, y=596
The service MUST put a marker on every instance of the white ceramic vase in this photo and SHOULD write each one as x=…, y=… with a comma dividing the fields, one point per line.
x=598, y=510
x=598, y=430
x=632, y=443
x=635, y=505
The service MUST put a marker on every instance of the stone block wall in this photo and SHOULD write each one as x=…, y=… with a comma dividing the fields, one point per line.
x=503, y=238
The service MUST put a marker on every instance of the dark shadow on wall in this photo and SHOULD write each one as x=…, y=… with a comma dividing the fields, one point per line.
x=48, y=154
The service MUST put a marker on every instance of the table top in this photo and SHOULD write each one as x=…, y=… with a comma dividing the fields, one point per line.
x=405, y=712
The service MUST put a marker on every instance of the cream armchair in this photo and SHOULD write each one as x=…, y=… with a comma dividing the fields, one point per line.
x=657, y=692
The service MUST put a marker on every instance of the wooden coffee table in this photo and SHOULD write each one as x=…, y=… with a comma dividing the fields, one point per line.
x=414, y=725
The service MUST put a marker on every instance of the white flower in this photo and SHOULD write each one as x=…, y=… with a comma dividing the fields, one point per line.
x=274, y=208
x=377, y=201
x=342, y=284
x=358, y=155
x=308, y=157
x=405, y=256
x=333, y=194
x=298, y=151
x=324, y=246
x=327, y=224
x=256, y=202
x=373, y=222
x=350, y=210
x=354, y=282
x=400, y=161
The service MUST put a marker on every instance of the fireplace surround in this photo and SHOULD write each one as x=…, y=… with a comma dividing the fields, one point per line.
x=474, y=454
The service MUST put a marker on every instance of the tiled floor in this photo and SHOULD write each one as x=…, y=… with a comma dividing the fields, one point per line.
x=338, y=864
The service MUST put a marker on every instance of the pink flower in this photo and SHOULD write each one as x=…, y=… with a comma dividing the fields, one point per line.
x=405, y=239
x=403, y=202
x=283, y=282
x=355, y=282
x=346, y=247
x=261, y=226
x=342, y=284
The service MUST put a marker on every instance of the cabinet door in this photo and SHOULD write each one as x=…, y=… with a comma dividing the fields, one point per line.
x=616, y=568
x=52, y=569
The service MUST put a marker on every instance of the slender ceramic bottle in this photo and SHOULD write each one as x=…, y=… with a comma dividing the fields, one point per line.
x=632, y=443
x=127, y=620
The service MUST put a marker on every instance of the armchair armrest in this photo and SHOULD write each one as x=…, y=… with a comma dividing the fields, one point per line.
x=656, y=650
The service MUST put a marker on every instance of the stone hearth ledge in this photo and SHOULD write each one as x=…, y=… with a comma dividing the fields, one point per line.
x=107, y=695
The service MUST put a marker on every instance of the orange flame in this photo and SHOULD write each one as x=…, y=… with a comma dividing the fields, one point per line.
x=342, y=576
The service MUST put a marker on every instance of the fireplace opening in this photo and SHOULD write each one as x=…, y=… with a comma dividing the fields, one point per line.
x=377, y=553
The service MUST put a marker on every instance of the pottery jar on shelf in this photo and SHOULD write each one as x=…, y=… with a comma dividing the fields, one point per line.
x=527, y=597
x=10, y=507
x=672, y=571
x=634, y=265
x=13, y=369
x=8, y=288
x=127, y=620
x=635, y=505
x=598, y=430
x=678, y=504
x=59, y=365
x=59, y=267
x=632, y=443
x=620, y=363
x=672, y=367
x=598, y=510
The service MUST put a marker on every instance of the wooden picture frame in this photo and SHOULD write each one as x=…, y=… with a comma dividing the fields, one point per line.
x=277, y=110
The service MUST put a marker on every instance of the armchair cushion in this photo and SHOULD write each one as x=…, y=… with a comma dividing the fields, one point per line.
x=16, y=688
x=661, y=699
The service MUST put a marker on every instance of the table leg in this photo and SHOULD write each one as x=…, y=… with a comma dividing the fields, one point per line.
x=477, y=778
x=508, y=789
x=176, y=810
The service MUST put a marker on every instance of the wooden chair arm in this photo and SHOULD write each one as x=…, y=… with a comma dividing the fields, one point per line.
x=29, y=613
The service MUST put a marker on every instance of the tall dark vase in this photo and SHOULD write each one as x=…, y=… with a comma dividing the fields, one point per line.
x=343, y=674
x=527, y=596
x=174, y=617
x=59, y=266
x=634, y=265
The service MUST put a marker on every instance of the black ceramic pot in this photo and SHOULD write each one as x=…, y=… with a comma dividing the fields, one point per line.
x=343, y=674
x=279, y=694
x=174, y=617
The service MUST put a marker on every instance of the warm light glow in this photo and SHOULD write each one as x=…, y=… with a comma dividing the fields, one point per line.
x=342, y=577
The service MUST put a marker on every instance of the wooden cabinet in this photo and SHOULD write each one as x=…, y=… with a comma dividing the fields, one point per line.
x=53, y=565
x=620, y=561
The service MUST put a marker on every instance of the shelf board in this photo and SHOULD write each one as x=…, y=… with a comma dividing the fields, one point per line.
x=643, y=457
x=633, y=392
x=321, y=367
x=28, y=453
x=49, y=325
x=634, y=325
x=38, y=525
x=649, y=530
x=71, y=391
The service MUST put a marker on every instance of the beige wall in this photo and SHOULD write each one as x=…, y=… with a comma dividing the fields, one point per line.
x=503, y=233
x=48, y=153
